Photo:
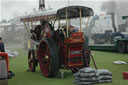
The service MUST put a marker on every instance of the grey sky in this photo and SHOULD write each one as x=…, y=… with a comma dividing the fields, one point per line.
x=12, y=8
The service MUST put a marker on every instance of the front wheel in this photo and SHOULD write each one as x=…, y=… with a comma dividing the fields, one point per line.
x=48, y=58
x=31, y=60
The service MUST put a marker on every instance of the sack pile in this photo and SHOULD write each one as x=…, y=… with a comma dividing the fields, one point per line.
x=89, y=76
x=104, y=76
x=85, y=76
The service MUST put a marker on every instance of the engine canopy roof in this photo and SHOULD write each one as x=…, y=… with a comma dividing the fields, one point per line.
x=72, y=12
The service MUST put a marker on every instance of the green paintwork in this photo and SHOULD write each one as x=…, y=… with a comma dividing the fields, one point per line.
x=124, y=17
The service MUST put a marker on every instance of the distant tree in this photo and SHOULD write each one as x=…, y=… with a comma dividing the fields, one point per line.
x=4, y=21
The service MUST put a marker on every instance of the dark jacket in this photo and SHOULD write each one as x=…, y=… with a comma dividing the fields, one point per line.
x=2, y=47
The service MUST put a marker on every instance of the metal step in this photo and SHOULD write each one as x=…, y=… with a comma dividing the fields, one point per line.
x=4, y=82
x=3, y=69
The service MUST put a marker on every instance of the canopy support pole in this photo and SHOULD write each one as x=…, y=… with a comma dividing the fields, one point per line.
x=67, y=21
x=59, y=23
x=35, y=23
x=32, y=24
x=80, y=20
x=27, y=30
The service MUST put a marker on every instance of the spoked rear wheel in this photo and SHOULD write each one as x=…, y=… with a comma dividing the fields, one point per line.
x=48, y=58
x=31, y=60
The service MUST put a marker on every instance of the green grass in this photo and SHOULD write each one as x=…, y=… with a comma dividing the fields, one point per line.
x=104, y=60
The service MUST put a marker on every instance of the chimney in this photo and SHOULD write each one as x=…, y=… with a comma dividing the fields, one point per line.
x=113, y=21
x=41, y=4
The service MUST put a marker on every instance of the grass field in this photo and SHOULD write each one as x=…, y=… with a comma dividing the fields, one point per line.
x=104, y=60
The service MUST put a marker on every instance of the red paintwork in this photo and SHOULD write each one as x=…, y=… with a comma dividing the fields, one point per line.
x=75, y=48
x=125, y=75
x=6, y=57
x=74, y=40
x=76, y=34
x=73, y=43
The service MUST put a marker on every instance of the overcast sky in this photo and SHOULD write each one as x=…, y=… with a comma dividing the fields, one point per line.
x=12, y=8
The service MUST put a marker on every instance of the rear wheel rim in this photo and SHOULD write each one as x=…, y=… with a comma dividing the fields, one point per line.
x=31, y=61
x=45, y=59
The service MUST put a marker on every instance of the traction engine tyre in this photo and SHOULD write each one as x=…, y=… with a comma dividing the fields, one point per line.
x=121, y=47
x=31, y=60
x=48, y=58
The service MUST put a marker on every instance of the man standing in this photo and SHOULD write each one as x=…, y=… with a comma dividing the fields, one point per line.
x=1, y=45
x=5, y=56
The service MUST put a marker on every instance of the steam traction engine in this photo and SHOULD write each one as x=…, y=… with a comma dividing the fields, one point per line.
x=57, y=48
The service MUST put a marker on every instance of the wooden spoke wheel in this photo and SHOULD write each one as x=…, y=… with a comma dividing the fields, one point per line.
x=121, y=47
x=48, y=58
x=31, y=60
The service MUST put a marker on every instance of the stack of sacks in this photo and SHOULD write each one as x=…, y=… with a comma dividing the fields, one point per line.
x=89, y=76
x=104, y=76
x=85, y=76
